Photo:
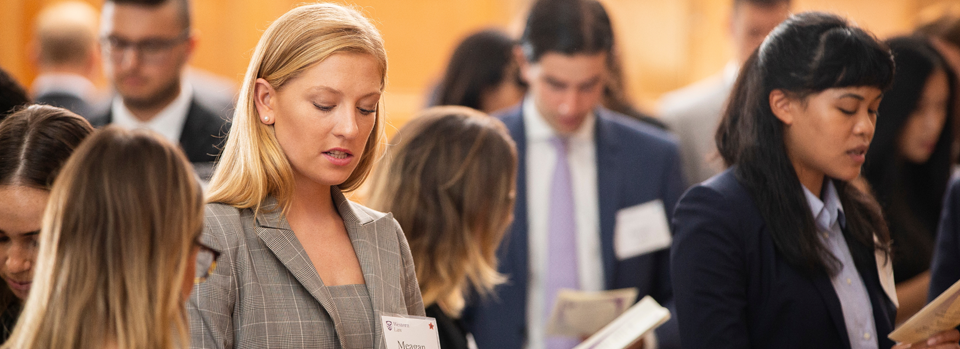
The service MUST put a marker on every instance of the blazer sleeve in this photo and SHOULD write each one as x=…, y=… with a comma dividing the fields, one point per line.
x=410, y=286
x=709, y=272
x=210, y=307
x=945, y=270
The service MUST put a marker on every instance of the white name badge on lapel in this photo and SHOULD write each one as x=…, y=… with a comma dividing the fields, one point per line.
x=409, y=332
x=641, y=229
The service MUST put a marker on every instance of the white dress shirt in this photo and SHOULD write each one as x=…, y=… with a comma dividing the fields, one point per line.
x=168, y=122
x=541, y=160
x=72, y=84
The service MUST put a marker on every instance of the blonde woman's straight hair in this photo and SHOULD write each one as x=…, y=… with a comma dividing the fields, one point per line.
x=450, y=182
x=252, y=164
x=117, y=235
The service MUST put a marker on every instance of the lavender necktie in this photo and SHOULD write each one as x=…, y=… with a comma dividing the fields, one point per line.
x=562, y=241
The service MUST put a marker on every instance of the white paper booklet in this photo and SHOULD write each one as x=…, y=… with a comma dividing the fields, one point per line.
x=638, y=321
x=940, y=315
x=582, y=313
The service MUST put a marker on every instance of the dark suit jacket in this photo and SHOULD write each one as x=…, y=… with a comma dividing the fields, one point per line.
x=67, y=101
x=636, y=163
x=733, y=290
x=946, y=256
x=203, y=132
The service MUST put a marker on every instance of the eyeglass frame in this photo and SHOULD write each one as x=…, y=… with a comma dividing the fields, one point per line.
x=149, y=50
x=209, y=269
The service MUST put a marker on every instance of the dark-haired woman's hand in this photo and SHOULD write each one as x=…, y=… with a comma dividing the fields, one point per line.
x=943, y=340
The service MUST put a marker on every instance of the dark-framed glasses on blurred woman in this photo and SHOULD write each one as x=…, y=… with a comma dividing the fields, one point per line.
x=206, y=262
x=149, y=51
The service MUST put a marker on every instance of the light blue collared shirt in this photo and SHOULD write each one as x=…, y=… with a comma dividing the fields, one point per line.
x=854, y=299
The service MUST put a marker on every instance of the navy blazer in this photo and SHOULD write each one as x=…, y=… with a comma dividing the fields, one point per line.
x=202, y=136
x=636, y=163
x=734, y=290
x=946, y=255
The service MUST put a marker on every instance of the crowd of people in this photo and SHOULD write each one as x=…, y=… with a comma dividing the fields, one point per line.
x=800, y=198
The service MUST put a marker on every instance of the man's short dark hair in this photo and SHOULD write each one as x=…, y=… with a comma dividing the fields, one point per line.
x=183, y=7
x=568, y=27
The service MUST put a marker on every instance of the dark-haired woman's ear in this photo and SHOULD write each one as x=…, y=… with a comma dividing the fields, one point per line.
x=263, y=95
x=522, y=63
x=782, y=106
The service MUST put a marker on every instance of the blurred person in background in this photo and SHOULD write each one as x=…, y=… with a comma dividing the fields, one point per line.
x=12, y=94
x=35, y=142
x=119, y=251
x=449, y=182
x=909, y=162
x=308, y=130
x=146, y=44
x=693, y=112
x=940, y=23
x=482, y=74
x=580, y=166
x=65, y=51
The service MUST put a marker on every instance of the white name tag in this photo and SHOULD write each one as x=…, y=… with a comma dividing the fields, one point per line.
x=409, y=332
x=641, y=229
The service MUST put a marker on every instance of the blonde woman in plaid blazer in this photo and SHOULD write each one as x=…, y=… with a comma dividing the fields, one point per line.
x=302, y=266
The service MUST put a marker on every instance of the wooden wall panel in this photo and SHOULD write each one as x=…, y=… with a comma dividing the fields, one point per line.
x=664, y=44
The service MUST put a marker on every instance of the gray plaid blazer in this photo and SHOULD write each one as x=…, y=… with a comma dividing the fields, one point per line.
x=265, y=292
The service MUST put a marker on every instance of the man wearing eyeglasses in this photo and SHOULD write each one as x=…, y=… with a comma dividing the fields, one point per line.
x=146, y=44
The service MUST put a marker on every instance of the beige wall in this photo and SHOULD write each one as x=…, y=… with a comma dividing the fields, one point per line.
x=665, y=44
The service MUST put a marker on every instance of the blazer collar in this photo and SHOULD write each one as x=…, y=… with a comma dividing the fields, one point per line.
x=270, y=215
x=275, y=232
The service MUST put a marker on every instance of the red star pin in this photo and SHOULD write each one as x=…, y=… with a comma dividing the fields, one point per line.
x=431, y=326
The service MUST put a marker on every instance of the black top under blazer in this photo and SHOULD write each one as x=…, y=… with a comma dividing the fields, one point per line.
x=734, y=290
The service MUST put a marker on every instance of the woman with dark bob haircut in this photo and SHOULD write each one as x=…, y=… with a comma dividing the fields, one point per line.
x=482, y=74
x=909, y=162
x=779, y=251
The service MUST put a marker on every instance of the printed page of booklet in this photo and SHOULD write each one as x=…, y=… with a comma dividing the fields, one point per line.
x=940, y=315
x=583, y=313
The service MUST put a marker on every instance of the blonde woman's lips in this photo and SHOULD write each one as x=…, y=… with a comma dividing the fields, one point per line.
x=338, y=156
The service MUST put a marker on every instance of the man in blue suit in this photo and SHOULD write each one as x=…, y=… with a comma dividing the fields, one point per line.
x=594, y=188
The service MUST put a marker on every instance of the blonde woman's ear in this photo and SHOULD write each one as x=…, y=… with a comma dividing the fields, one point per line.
x=263, y=96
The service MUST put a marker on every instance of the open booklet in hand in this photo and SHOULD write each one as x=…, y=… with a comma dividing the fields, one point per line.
x=606, y=316
x=940, y=315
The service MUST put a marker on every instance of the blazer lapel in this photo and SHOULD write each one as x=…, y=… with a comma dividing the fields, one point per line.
x=275, y=232
x=822, y=282
x=366, y=240
x=608, y=175
x=514, y=256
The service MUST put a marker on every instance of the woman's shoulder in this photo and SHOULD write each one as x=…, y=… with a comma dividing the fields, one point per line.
x=222, y=225
x=721, y=201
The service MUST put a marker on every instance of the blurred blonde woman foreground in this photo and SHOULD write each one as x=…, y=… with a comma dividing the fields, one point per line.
x=450, y=183
x=303, y=267
x=119, y=248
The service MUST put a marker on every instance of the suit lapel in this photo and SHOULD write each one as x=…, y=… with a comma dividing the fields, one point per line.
x=515, y=256
x=608, y=175
x=366, y=240
x=822, y=283
x=274, y=231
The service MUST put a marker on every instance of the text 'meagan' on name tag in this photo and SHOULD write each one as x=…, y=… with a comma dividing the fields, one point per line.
x=409, y=332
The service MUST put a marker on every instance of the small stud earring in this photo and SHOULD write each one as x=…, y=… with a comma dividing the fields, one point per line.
x=266, y=118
